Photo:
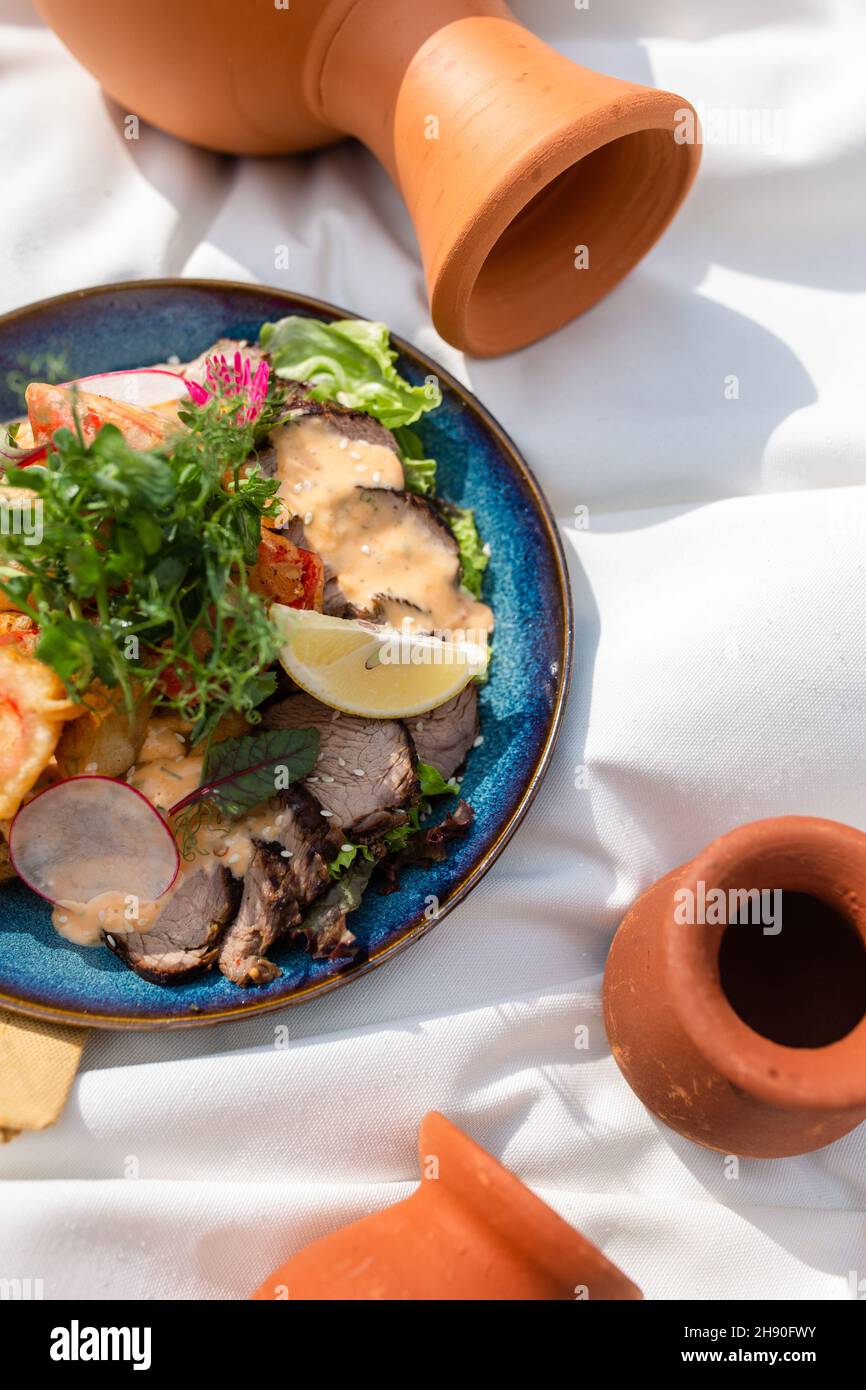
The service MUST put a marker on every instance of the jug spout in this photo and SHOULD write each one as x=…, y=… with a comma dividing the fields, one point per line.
x=534, y=184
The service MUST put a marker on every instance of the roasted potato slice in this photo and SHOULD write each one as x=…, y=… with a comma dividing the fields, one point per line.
x=17, y=630
x=33, y=711
x=103, y=740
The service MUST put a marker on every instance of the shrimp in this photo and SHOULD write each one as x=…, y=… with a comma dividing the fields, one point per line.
x=51, y=408
x=33, y=711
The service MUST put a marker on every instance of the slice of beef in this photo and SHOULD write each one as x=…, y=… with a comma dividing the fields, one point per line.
x=285, y=875
x=354, y=424
x=444, y=736
x=423, y=529
x=365, y=775
x=268, y=908
x=185, y=937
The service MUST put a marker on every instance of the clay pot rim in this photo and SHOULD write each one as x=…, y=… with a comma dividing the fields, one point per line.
x=830, y=1077
x=456, y=264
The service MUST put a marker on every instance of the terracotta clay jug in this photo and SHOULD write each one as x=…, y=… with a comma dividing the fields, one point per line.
x=749, y=1036
x=470, y=1231
x=534, y=184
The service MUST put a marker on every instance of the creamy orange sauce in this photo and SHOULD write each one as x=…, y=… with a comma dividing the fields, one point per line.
x=165, y=777
x=380, y=551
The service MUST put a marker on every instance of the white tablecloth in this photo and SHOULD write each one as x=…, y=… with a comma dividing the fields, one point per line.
x=721, y=675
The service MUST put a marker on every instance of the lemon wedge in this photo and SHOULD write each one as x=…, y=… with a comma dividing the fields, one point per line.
x=376, y=672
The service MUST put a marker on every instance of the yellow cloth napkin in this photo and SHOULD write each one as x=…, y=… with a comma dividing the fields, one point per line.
x=38, y=1062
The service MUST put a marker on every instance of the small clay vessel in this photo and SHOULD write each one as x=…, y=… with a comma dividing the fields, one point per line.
x=470, y=1231
x=749, y=1038
x=534, y=184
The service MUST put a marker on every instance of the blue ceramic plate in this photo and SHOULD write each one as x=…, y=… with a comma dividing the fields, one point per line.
x=132, y=325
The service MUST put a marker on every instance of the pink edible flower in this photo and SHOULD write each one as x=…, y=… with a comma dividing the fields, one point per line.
x=236, y=380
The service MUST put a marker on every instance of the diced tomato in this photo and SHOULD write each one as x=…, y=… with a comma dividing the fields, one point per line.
x=287, y=574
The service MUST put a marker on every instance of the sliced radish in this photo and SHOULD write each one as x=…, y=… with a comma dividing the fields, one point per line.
x=24, y=451
x=146, y=386
x=86, y=836
x=22, y=458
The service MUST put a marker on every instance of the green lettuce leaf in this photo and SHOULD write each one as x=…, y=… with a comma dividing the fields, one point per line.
x=419, y=472
x=351, y=362
x=433, y=783
x=347, y=856
x=474, y=559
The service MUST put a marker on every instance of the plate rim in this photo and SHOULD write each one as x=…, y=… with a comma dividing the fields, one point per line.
x=253, y=1008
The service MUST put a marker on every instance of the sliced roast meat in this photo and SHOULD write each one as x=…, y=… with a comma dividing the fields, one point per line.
x=285, y=875
x=268, y=908
x=185, y=937
x=444, y=736
x=354, y=424
x=365, y=776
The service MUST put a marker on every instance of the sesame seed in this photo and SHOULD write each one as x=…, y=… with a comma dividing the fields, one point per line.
x=63, y=918
x=377, y=477
x=342, y=762
x=101, y=914
x=478, y=742
x=308, y=517
x=335, y=716
x=326, y=814
x=358, y=772
x=312, y=779
x=420, y=726
x=485, y=549
x=308, y=486
x=109, y=938
x=347, y=848
x=131, y=772
x=344, y=443
x=286, y=854
x=365, y=550
x=91, y=767
x=297, y=488
x=353, y=454
x=360, y=467
x=233, y=859
x=180, y=738
x=325, y=778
